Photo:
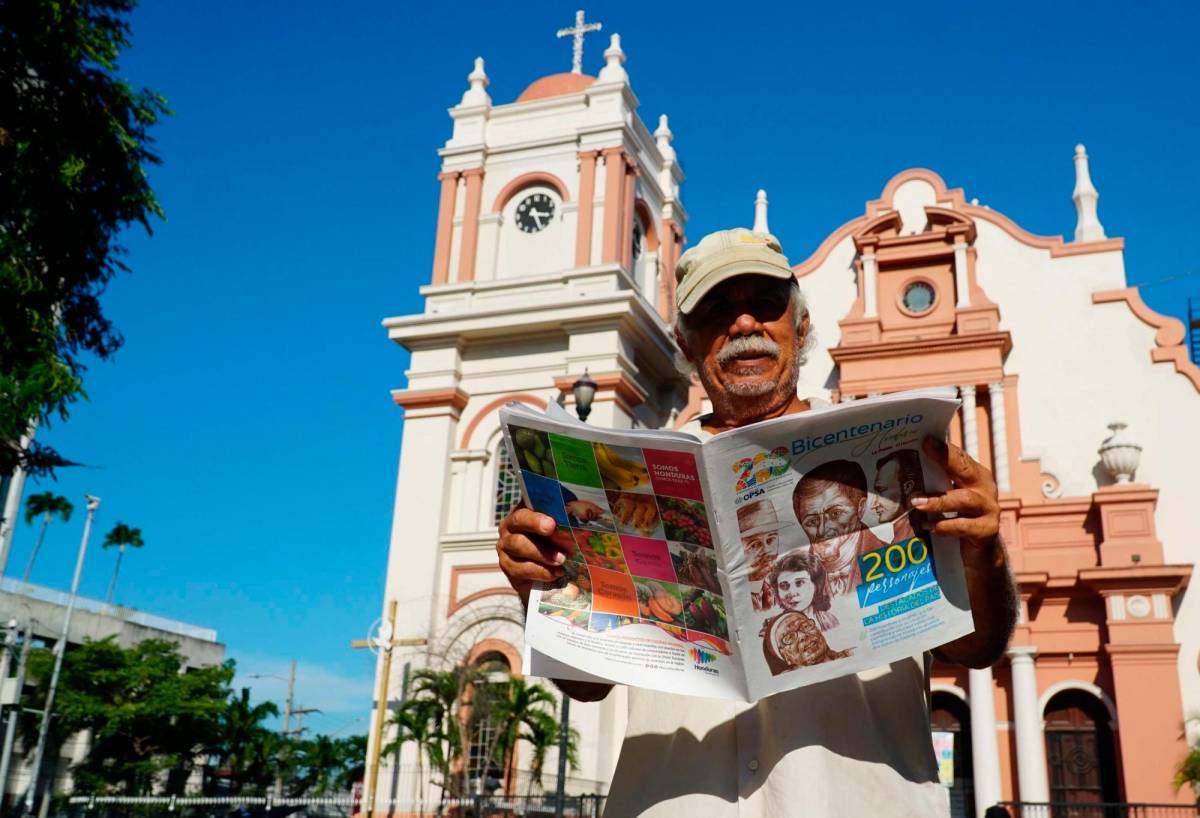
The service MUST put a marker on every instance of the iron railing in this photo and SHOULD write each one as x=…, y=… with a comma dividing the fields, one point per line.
x=1063, y=809
x=478, y=806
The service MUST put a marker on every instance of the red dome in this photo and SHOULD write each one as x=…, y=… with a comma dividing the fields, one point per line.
x=555, y=85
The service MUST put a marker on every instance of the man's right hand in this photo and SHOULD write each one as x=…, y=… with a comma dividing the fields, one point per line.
x=528, y=553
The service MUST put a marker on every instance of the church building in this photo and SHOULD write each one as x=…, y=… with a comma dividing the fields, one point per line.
x=559, y=226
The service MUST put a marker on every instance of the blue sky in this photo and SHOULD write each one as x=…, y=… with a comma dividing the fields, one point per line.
x=246, y=425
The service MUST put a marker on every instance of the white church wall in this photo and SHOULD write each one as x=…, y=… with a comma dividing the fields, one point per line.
x=830, y=291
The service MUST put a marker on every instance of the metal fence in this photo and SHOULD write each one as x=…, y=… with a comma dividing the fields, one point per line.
x=1062, y=809
x=480, y=806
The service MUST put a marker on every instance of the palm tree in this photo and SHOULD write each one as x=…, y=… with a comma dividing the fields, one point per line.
x=245, y=746
x=418, y=721
x=49, y=505
x=518, y=704
x=121, y=536
x=446, y=691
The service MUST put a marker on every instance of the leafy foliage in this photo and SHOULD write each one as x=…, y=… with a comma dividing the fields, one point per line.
x=247, y=751
x=146, y=714
x=74, y=148
x=47, y=505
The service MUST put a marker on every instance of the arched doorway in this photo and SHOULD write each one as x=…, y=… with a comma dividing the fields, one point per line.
x=951, y=715
x=484, y=774
x=1080, y=754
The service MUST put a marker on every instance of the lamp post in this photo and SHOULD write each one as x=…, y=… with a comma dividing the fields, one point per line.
x=584, y=391
x=60, y=650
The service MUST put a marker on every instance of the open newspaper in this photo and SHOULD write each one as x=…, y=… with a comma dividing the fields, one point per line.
x=761, y=559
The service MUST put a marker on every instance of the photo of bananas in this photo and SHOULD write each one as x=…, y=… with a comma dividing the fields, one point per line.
x=533, y=451
x=622, y=468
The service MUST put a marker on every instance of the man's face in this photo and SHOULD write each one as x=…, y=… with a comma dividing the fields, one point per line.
x=795, y=590
x=832, y=520
x=743, y=340
x=803, y=645
x=763, y=545
x=889, y=496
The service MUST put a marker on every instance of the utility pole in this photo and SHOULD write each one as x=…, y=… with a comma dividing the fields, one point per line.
x=60, y=650
x=14, y=714
x=290, y=709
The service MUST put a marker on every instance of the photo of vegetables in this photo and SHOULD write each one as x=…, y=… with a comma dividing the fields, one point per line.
x=685, y=521
x=564, y=538
x=622, y=468
x=695, y=565
x=659, y=601
x=533, y=451
x=705, y=611
x=635, y=514
x=601, y=549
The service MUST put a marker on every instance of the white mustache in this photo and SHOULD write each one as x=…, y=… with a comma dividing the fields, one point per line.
x=747, y=343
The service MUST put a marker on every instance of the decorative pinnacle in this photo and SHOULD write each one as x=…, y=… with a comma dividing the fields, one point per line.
x=614, y=68
x=760, y=213
x=477, y=93
x=1087, y=224
x=664, y=136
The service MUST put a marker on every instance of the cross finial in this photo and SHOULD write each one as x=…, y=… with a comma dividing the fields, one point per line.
x=577, y=31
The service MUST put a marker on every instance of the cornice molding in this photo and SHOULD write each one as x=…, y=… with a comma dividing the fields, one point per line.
x=1168, y=339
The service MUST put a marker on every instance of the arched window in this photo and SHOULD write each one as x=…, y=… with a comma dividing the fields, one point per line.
x=508, y=489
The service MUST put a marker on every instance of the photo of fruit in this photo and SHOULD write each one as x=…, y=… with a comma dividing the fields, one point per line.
x=601, y=549
x=695, y=565
x=635, y=514
x=533, y=451
x=622, y=468
x=565, y=539
x=685, y=521
x=659, y=601
x=705, y=611
x=575, y=617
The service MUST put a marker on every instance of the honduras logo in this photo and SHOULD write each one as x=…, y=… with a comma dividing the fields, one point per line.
x=702, y=657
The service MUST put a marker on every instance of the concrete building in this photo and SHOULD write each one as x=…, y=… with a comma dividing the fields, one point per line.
x=43, y=610
x=559, y=225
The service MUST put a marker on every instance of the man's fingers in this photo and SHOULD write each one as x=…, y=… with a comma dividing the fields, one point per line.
x=520, y=547
x=966, y=502
x=966, y=528
x=527, y=521
x=522, y=571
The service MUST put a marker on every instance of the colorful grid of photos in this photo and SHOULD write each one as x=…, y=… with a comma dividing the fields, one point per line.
x=641, y=549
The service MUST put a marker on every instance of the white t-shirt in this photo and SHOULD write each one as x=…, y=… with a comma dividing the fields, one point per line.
x=855, y=746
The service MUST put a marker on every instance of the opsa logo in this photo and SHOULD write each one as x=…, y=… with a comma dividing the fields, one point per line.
x=754, y=471
x=701, y=657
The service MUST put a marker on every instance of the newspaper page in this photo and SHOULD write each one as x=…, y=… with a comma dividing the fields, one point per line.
x=829, y=572
x=769, y=557
x=642, y=601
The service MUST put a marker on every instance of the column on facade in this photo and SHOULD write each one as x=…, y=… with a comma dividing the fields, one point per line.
x=627, y=216
x=583, y=216
x=961, y=280
x=470, y=226
x=985, y=751
x=1027, y=722
x=614, y=197
x=445, y=227
x=999, y=437
x=870, y=296
x=666, y=275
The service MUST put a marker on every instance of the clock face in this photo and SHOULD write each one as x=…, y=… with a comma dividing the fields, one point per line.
x=535, y=212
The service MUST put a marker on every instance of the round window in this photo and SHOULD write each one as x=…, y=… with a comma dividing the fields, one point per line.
x=918, y=297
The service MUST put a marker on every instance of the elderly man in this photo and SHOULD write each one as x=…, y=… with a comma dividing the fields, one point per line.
x=854, y=746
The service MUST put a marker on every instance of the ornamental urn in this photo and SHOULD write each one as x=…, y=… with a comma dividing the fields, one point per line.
x=1120, y=455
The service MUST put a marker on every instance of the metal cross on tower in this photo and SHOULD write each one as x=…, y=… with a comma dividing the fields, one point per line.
x=577, y=31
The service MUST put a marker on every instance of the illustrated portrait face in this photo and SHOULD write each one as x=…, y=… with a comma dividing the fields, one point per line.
x=801, y=643
x=890, y=495
x=832, y=518
x=761, y=546
x=795, y=590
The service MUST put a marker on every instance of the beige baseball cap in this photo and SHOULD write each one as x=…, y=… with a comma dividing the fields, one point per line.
x=723, y=255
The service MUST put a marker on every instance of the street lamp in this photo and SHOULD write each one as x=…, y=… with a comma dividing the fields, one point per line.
x=584, y=390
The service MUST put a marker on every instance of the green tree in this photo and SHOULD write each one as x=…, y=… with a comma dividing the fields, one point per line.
x=448, y=693
x=49, y=505
x=541, y=732
x=418, y=721
x=121, y=536
x=247, y=750
x=517, y=705
x=74, y=149
x=147, y=713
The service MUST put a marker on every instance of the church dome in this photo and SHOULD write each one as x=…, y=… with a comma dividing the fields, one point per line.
x=556, y=85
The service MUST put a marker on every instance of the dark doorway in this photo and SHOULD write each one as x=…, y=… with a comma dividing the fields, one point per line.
x=1079, y=749
x=951, y=714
